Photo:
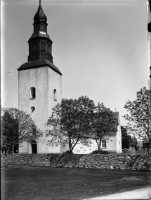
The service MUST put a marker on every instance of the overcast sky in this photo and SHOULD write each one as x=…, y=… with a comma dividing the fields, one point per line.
x=101, y=47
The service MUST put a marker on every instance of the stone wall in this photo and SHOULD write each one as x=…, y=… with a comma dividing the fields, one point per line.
x=95, y=161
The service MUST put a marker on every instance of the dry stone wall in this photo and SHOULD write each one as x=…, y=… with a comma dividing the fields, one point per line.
x=95, y=161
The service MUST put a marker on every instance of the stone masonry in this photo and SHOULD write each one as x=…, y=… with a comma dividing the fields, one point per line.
x=96, y=161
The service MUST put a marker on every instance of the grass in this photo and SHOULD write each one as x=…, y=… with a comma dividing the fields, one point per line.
x=43, y=183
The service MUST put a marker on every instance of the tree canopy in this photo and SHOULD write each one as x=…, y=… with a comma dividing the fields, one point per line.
x=17, y=127
x=139, y=117
x=128, y=140
x=104, y=123
x=70, y=122
x=79, y=120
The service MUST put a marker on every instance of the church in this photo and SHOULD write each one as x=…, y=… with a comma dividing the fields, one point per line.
x=40, y=88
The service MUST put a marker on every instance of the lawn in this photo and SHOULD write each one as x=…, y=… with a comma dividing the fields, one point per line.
x=43, y=183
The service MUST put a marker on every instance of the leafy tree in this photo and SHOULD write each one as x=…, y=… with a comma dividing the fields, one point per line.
x=139, y=117
x=126, y=139
x=104, y=123
x=134, y=143
x=17, y=127
x=70, y=122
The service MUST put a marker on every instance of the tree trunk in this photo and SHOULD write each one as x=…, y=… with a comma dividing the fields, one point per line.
x=148, y=148
x=99, y=144
x=70, y=145
x=13, y=149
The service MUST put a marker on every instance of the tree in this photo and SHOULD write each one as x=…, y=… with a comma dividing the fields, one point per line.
x=126, y=139
x=70, y=122
x=134, y=143
x=17, y=127
x=104, y=123
x=139, y=117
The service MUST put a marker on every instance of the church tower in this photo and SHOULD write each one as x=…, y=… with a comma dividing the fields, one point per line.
x=39, y=82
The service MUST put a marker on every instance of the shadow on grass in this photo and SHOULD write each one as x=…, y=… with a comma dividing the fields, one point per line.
x=42, y=183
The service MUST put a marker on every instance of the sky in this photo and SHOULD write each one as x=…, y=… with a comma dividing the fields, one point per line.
x=100, y=46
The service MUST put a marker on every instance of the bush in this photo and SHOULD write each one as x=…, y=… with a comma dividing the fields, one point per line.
x=100, y=152
x=68, y=152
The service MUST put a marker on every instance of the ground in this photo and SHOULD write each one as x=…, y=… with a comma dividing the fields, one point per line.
x=43, y=183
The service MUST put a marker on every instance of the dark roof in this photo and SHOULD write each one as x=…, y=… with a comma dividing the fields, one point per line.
x=37, y=64
x=40, y=15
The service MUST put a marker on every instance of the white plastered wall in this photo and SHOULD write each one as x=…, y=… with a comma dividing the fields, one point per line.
x=119, y=137
x=45, y=80
x=110, y=146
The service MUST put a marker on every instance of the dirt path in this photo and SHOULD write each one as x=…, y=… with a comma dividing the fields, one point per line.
x=143, y=193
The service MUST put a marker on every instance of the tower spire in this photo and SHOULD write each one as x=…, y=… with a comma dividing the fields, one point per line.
x=40, y=44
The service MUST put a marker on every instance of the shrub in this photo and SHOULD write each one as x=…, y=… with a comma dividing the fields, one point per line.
x=67, y=152
x=100, y=152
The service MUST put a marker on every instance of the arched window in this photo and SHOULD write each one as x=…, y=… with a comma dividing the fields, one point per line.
x=32, y=108
x=32, y=93
x=34, y=146
x=55, y=95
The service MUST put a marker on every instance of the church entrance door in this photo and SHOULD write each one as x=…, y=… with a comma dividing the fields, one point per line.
x=34, y=146
x=16, y=148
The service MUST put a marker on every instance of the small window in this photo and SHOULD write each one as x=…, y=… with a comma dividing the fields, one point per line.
x=32, y=108
x=103, y=143
x=32, y=93
x=55, y=95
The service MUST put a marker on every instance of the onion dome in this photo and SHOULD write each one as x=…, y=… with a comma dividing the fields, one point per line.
x=40, y=44
x=40, y=15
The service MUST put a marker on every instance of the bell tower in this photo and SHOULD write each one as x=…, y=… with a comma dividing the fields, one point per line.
x=39, y=83
x=40, y=44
